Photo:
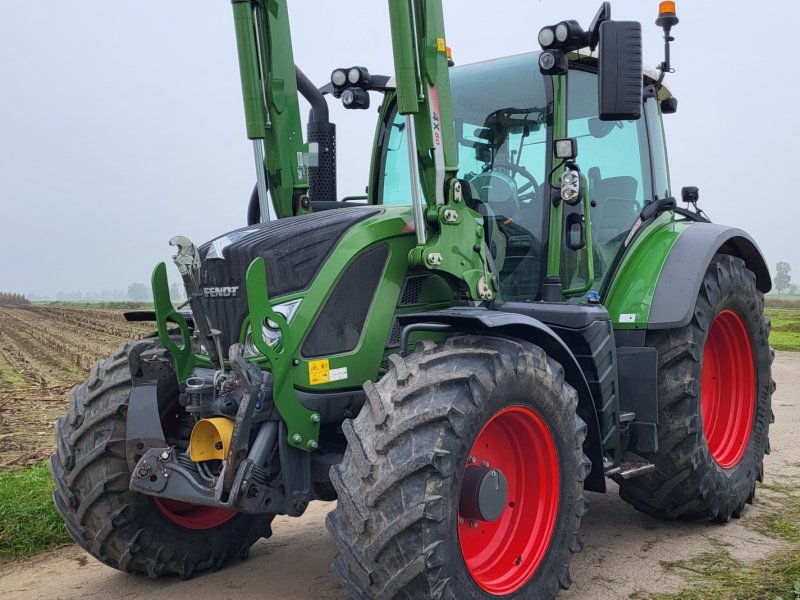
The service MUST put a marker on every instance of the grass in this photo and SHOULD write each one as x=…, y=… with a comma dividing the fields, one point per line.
x=29, y=522
x=717, y=575
x=785, y=328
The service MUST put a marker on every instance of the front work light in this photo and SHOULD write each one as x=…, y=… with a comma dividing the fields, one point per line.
x=553, y=62
x=359, y=76
x=546, y=37
x=338, y=78
x=355, y=98
x=570, y=36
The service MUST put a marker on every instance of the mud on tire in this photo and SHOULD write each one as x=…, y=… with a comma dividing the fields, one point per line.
x=688, y=482
x=120, y=528
x=396, y=520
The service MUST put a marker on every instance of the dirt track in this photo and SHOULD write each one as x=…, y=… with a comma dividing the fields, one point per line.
x=623, y=555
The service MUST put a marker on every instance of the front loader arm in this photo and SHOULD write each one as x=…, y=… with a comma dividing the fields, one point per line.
x=450, y=236
x=271, y=104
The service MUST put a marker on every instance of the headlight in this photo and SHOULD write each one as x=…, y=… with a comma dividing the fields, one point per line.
x=270, y=329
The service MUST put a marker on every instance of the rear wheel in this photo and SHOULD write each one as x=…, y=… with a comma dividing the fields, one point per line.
x=714, y=389
x=463, y=476
x=129, y=531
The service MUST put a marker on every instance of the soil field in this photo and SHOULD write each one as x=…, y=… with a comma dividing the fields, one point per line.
x=44, y=351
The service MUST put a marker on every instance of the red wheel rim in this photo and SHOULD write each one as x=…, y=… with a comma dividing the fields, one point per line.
x=503, y=555
x=728, y=389
x=189, y=516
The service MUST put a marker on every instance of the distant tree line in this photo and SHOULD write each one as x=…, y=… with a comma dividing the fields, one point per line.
x=136, y=292
x=10, y=298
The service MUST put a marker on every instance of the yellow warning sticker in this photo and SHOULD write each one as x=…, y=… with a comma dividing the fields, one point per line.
x=319, y=371
x=440, y=45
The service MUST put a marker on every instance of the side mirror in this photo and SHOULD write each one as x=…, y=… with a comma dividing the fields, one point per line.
x=620, y=71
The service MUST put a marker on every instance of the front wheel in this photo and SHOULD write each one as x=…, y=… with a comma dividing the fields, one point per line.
x=463, y=476
x=714, y=394
x=125, y=530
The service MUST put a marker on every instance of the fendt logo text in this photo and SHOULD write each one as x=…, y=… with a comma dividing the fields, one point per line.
x=221, y=292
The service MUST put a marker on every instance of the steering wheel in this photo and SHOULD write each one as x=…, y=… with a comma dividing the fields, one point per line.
x=497, y=191
x=530, y=189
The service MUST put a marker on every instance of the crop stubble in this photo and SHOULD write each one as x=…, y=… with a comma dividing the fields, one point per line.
x=44, y=351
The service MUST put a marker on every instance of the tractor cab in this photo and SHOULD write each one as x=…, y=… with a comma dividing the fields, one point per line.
x=501, y=120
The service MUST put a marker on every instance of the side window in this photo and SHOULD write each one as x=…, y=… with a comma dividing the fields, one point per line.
x=396, y=184
x=659, y=149
x=615, y=157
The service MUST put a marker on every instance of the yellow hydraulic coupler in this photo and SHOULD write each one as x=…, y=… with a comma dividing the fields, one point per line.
x=210, y=439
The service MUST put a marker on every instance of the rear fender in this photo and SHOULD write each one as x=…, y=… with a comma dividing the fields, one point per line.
x=682, y=275
x=659, y=277
x=488, y=322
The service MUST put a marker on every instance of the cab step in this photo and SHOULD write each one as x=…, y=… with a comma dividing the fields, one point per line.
x=632, y=465
x=629, y=470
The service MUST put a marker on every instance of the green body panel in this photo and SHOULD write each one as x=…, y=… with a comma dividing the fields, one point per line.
x=302, y=424
x=271, y=104
x=363, y=362
x=165, y=313
x=631, y=293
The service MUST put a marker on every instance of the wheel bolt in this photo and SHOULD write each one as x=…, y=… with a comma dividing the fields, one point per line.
x=165, y=455
x=485, y=464
x=473, y=524
x=472, y=460
x=460, y=520
x=143, y=471
x=297, y=438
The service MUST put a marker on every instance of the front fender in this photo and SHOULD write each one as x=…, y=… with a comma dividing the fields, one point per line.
x=511, y=325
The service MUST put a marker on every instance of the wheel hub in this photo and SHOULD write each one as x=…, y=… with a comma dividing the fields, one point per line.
x=484, y=493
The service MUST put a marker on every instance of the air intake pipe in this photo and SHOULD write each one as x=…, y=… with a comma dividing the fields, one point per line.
x=322, y=178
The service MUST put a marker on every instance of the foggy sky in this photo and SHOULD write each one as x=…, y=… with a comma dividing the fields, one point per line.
x=121, y=123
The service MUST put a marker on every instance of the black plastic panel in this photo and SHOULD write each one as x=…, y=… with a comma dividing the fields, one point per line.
x=588, y=332
x=339, y=325
x=638, y=393
x=686, y=265
x=294, y=250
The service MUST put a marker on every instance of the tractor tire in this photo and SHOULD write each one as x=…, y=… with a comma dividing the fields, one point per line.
x=714, y=392
x=133, y=532
x=468, y=403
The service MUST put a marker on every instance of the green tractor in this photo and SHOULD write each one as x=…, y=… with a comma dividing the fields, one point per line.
x=516, y=311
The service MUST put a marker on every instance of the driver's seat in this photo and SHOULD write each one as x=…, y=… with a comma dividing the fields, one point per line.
x=515, y=250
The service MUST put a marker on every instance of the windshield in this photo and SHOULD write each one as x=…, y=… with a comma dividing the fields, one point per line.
x=500, y=122
x=500, y=111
